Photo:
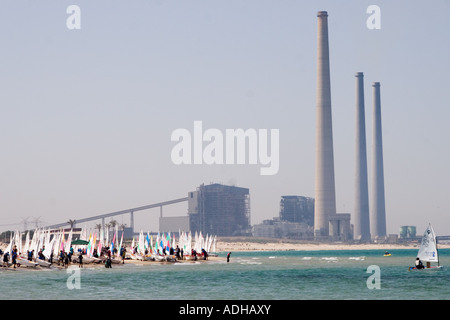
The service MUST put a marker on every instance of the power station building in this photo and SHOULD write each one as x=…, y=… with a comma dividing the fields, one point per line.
x=297, y=209
x=295, y=221
x=220, y=210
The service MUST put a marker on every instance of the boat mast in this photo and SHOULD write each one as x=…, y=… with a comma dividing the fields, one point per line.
x=435, y=239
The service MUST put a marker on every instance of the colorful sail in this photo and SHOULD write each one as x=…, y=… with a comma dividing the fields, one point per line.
x=112, y=243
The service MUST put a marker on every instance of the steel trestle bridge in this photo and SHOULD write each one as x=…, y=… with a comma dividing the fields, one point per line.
x=131, y=211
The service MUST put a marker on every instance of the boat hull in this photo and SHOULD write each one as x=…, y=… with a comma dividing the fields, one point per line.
x=436, y=268
x=43, y=263
x=26, y=263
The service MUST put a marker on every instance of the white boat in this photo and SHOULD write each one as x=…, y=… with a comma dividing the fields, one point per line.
x=25, y=262
x=42, y=263
x=86, y=259
x=428, y=251
x=171, y=258
x=136, y=256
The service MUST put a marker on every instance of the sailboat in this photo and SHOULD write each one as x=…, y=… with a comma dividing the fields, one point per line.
x=428, y=250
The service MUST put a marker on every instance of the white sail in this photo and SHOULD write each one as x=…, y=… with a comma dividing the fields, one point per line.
x=10, y=245
x=120, y=245
x=49, y=249
x=19, y=241
x=189, y=244
x=141, y=244
x=26, y=246
x=428, y=251
x=68, y=243
x=214, y=244
x=132, y=245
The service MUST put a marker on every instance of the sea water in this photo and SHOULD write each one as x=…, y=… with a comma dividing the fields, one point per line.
x=263, y=275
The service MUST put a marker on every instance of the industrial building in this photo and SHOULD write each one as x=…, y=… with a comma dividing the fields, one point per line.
x=297, y=209
x=220, y=210
x=407, y=232
x=276, y=228
x=295, y=221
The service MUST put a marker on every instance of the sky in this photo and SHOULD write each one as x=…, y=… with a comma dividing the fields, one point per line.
x=86, y=115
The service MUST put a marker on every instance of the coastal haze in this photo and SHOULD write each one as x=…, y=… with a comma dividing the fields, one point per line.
x=87, y=115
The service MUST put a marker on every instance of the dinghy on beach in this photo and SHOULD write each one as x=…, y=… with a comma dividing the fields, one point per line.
x=25, y=262
x=42, y=263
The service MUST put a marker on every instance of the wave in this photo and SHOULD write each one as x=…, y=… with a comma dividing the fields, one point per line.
x=357, y=258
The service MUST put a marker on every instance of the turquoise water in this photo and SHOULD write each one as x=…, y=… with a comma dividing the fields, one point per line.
x=280, y=275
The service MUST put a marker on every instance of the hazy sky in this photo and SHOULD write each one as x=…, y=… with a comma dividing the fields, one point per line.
x=86, y=115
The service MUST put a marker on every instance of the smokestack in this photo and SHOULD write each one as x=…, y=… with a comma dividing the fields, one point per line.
x=325, y=196
x=378, y=214
x=361, y=216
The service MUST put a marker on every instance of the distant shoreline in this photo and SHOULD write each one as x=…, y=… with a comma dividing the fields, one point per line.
x=231, y=244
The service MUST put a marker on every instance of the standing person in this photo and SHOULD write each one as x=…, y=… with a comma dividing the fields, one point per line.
x=80, y=260
x=70, y=254
x=66, y=259
x=123, y=254
x=108, y=262
x=205, y=254
x=178, y=253
x=5, y=259
x=14, y=256
x=61, y=257
x=228, y=256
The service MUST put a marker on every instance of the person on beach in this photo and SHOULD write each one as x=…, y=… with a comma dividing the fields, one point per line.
x=66, y=259
x=205, y=254
x=80, y=260
x=228, y=256
x=5, y=259
x=14, y=256
x=123, y=254
x=70, y=254
x=177, y=253
x=30, y=255
x=61, y=257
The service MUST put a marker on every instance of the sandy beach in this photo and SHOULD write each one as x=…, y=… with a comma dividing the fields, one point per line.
x=255, y=244
x=247, y=244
